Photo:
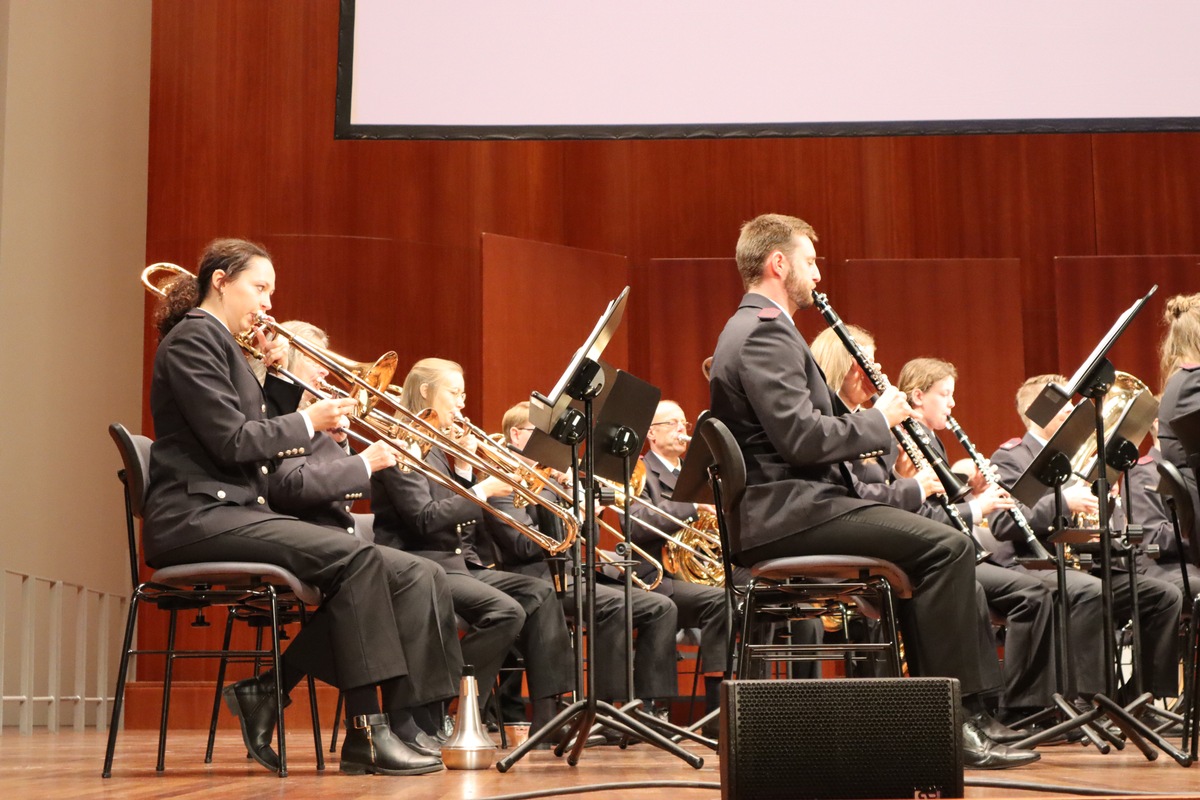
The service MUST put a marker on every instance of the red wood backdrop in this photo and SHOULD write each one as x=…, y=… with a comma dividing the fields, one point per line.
x=381, y=242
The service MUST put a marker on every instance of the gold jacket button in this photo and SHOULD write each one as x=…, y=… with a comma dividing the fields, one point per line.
x=300, y=450
x=350, y=530
x=221, y=494
x=264, y=408
x=262, y=501
x=458, y=551
x=264, y=469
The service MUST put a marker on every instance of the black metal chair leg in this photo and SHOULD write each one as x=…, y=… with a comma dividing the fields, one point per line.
x=312, y=700
x=275, y=663
x=166, y=700
x=119, y=694
x=212, y=723
x=337, y=724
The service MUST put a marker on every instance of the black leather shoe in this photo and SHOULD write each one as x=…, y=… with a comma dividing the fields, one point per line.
x=995, y=730
x=424, y=744
x=252, y=701
x=370, y=748
x=980, y=752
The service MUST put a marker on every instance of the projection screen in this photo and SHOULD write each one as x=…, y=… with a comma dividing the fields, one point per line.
x=536, y=69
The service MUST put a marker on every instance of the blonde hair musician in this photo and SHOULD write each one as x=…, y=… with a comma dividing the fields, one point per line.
x=502, y=609
x=1180, y=363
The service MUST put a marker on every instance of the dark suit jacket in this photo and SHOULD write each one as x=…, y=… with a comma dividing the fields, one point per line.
x=660, y=485
x=214, y=446
x=877, y=483
x=767, y=388
x=412, y=513
x=322, y=486
x=513, y=550
x=1180, y=396
x=1146, y=507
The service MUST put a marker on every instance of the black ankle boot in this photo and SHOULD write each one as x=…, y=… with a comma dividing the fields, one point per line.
x=370, y=748
x=254, y=704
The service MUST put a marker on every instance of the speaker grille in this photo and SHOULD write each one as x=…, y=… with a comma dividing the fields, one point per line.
x=841, y=738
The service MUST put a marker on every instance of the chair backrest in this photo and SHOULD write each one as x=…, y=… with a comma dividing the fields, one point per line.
x=731, y=465
x=135, y=476
x=1173, y=485
x=727, y=473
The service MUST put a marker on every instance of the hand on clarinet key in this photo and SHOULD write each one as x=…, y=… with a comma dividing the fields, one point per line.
x=928, y=479
x=994, y=498
x=894, y=406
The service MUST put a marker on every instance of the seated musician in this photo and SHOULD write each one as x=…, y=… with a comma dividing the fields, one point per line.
x=1159, y=602
x=654, y=616
x=320, y=487
x=700, y=605
x=207, y=501
x=800, y=498
x=1147, y=508
x=1024, y=601
x=416, y=513
x=892, y=479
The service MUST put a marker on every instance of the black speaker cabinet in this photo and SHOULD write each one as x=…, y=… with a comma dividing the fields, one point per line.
x=789, y=740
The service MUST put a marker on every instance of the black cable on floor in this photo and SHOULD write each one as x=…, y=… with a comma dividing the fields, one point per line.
x=1027, y=786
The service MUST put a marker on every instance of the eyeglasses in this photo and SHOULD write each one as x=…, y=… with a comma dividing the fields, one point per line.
x=687, y=426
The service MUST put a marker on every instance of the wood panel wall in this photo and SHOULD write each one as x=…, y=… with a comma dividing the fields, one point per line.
x=381, y=242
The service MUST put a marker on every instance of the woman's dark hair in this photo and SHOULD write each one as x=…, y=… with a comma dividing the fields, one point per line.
x=185, y=293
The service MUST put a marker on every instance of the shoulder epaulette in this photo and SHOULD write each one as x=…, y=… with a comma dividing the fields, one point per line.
x=1146, y=459
x=769, y=313
x=1010, y=444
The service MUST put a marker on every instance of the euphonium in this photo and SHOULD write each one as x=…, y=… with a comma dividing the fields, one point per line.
x=684, y=548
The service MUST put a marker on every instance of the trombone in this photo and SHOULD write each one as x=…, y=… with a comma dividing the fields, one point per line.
x=367, y=385
x=548, y=482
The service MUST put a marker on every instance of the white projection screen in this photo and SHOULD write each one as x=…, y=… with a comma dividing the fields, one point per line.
x=543, y=69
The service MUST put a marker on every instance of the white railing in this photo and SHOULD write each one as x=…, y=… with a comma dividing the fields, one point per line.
x=44, y=614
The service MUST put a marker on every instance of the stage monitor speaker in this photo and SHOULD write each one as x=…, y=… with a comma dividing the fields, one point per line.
x=789, y=740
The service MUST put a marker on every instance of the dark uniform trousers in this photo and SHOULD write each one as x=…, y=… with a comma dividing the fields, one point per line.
x=1027, y=606
x=319, y=487
x=653, y=615
x=500, y=609
x=351, y=639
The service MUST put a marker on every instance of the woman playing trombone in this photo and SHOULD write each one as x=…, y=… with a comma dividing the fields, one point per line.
x=207, y=501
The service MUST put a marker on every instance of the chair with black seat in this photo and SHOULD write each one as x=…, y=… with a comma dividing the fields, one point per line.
x=800, y=586
x=262, y=591
x=1178, y=499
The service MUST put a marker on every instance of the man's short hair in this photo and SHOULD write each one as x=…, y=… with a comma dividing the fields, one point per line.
x=515, y=417
x=764, y=235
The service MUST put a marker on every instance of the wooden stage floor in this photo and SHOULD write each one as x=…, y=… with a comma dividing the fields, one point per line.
x=50, y=766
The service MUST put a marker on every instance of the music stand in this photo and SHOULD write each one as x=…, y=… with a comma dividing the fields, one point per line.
x=1054, y=397
x=583, y=381
x=1093, y=380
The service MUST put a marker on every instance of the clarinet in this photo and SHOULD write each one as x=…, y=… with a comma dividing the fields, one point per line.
x=989, y=473
x=909, y=434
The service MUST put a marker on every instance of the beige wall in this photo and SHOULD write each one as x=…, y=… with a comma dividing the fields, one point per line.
x=74, y=111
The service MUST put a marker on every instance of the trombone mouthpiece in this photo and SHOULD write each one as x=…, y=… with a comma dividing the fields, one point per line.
x=684, y=438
